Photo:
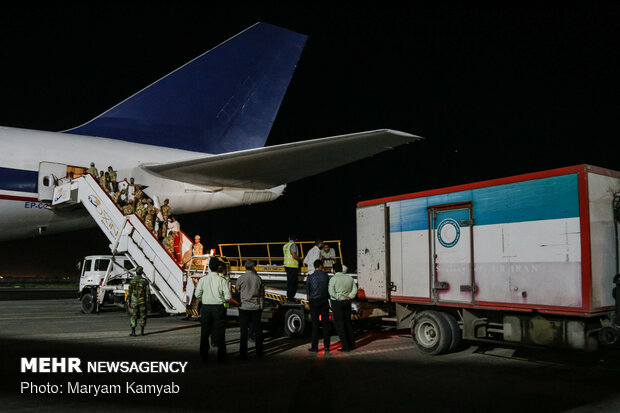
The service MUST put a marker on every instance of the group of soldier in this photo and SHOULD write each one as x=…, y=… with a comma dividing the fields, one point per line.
x=131, y=200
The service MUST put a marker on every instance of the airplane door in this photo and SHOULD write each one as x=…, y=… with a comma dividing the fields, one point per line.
x=49, y=173
x=452, y=267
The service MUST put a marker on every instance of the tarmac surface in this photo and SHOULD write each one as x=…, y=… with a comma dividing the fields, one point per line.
x=384, y=373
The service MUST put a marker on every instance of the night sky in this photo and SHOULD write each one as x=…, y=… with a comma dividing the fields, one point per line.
x=495, y=90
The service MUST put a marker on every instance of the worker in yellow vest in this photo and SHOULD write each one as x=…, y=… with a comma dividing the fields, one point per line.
x=291, y=265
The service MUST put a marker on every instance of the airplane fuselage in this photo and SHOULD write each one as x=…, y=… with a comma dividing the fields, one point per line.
x=24, y=215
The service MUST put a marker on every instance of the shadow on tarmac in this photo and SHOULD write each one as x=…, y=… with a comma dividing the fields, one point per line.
x=168, y=330
x=369, y=337
x=301, y=382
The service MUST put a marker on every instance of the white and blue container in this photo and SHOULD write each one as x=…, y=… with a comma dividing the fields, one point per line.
x=536, y=245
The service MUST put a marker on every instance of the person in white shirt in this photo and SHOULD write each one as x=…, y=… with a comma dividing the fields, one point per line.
x=327, y=254
x=123, y=184
x=131, y=189
x=173, y=225
x=313, y=255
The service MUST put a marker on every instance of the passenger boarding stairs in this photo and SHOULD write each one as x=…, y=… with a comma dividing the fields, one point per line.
x=128, y=235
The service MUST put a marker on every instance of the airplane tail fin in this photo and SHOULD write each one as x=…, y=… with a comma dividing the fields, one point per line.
x=222, y=101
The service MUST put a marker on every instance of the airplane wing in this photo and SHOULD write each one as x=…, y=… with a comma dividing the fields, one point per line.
x=267, y=167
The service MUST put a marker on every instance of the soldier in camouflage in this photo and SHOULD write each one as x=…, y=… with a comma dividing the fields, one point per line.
x=141, y=209
x=108, y=184
x=117, y=198
x=198, y=250
x=138, y=194
x=168, y=244
x=138, y=300
x=102, y=181
x=93, y=171
x=113, y=181
x=149, y=221
x=128, y=209
x=166, y=211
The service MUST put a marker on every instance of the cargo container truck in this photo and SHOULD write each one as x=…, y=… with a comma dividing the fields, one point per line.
x=526, y=259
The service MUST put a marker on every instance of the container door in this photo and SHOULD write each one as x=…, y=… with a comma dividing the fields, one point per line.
x=373, y=251
x=452, y=269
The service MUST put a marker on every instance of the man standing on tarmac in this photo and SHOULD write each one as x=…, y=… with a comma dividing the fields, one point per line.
x=313, y=255
x=214, y=291
x=252, y=294
x=317, y=288
x=138, y=299
x=291, y=265
x=342, y=290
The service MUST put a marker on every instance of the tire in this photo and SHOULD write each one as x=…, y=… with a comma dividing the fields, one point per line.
x=88, y=303
x=431, y=333
x=455, y=331
x=294, y=323
x=608, y=336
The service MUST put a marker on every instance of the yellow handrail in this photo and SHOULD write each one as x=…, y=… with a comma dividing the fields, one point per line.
x=269, y=257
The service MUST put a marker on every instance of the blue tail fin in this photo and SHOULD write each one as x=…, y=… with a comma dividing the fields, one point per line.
x=224, y=100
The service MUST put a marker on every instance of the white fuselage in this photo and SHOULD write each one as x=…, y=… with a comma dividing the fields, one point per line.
x=23, y=215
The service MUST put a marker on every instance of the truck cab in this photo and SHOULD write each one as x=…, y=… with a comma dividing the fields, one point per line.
x=119, y=270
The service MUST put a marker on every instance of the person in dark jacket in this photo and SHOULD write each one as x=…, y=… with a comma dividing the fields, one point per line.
x=318, y=298
x=252, y=294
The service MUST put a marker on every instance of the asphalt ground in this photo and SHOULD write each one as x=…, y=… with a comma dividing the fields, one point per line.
x=384, y=373
x=10, y=293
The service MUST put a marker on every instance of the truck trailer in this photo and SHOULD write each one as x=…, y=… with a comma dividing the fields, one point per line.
x=526, y=259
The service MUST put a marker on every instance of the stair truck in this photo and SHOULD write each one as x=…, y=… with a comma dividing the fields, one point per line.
x=526, y=259
x=130, y=240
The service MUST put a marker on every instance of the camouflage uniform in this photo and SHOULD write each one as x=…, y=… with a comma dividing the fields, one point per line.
x=103, y=182
x=93, y=171
x=116, y=198
x=113, y=180
x=149, y=221
x=168, y=243
x=138, y=194
x=137, y=297
x=141, y=211
x=166, y=211
x=198, y=248
x=128, y=209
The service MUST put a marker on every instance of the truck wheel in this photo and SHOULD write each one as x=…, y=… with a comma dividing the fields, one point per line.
x=455, y=331
x=294, y=323
x=608, y=336
x=88, y=303
x=431, y=333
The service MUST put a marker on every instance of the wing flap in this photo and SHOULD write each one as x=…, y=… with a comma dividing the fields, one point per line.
x=270, y=166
